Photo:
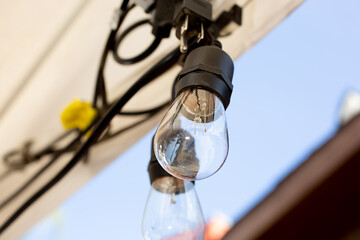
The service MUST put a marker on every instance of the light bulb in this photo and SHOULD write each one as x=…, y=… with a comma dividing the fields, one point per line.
x=173, y=211
x=192, y=139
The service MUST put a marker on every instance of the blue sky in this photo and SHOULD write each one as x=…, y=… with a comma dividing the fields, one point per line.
x=287, y=93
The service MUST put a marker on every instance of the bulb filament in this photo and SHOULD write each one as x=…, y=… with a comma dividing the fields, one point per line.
x=199, y=111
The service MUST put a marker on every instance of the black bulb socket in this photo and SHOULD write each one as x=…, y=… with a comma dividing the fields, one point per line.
x=154, y=168
x=209, y=68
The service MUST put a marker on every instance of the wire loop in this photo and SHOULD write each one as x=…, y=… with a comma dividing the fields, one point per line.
x=141, y=56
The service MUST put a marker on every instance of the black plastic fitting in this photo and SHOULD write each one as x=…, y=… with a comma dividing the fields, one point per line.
x=210, y=68
x=198, y=11
x=163, y=18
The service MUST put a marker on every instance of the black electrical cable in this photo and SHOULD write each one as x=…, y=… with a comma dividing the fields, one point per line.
x=68, y=149
x=147, y=111
x=100, y=89
x=99, y=92
x=18, y=159
x=42, y=170
x=141, y=56
x=60, y=152
x=158, y=69
x=116, y=133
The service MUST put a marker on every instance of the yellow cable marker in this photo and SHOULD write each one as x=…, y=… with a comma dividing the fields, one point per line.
x=78, y=114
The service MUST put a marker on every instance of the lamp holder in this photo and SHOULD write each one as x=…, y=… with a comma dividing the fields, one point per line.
x=209, y=68
x=154, y=168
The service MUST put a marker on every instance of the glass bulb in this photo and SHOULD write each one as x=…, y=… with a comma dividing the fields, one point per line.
x=192, y=140
x=173, y=211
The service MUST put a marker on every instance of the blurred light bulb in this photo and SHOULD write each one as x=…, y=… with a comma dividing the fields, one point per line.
x=192, y=142
x=173, y=211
